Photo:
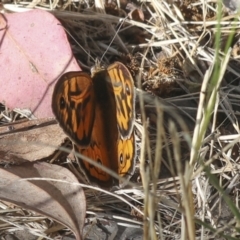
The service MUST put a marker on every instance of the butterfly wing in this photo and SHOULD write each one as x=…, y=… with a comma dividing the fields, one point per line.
x=126, y=156
x=98, y=115
x=103, y=145
x=123, y=87
x=73, y=104
x=96, y=153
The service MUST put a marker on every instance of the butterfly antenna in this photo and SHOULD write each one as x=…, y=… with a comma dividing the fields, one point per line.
x=113, y=39
x=75, y=40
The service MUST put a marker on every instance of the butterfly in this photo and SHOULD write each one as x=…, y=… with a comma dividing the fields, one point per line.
x=98, y=114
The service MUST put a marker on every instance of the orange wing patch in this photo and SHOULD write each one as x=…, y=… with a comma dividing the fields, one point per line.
x=123, y=88
x=73, y=105
x=98, y=154
x=126, y=154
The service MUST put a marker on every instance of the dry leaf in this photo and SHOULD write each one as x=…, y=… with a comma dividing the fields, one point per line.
x=64, y=202
x=28, y=143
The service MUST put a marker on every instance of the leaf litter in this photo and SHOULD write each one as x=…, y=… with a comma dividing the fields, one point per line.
x=173, y=50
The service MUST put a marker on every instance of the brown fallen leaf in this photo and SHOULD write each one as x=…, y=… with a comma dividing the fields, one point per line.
x=61, y=201
x=29, y=141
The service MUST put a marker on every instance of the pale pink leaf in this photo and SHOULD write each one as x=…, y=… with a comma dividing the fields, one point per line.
x=34, y=53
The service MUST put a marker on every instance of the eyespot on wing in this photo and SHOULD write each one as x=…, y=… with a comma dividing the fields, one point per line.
x=73, y=104
x=123, y=87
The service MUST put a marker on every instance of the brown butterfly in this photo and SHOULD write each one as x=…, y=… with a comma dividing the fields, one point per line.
x=98, y=115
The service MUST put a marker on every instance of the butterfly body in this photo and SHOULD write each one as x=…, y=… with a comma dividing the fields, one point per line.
x=98, y=115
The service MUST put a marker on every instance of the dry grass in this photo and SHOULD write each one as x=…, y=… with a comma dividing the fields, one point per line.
x=187, y=115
